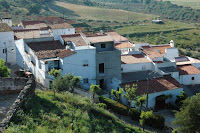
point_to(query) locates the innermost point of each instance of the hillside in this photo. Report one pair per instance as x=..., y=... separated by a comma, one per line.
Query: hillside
x=96, y=13
x=42, y=114
x=187, y=3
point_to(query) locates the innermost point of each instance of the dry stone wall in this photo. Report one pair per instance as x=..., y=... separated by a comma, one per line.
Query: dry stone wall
x=27, y=92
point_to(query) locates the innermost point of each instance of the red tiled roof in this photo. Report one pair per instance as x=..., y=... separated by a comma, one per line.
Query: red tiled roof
x=34, y=24
x=61, y=26
x=65, y=53
x=116, y=36
x=123, y=45
x=151, y=52
x=75, y=38
x=135, y=58
x=162, y=48
x=4, y=27
x=158, y=61
x=99, y=39
x=155, y=85
x=49, y=49
x=188, y=70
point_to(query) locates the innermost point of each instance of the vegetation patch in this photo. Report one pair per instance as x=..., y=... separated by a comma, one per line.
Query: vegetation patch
x=44, y=113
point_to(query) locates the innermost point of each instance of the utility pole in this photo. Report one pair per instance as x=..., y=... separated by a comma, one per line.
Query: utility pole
x=147, y=92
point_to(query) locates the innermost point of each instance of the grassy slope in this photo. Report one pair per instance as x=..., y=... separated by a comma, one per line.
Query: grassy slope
x=150, y=27
x=42, y=114
x=187, y=3
x=95, y=13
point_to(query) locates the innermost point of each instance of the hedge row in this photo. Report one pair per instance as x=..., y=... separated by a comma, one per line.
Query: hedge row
x=156, y=121
x=114, y=106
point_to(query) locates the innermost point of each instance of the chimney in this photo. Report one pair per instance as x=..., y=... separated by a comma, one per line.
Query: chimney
x=171, y=43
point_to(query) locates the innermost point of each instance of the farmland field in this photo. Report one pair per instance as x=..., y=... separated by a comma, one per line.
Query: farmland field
x=95, y=13
x=187, y=3
x=153, y=28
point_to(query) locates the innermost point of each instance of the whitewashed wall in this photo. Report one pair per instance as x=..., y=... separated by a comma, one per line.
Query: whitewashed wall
x=74, y=64
x=24, y=61
x=187, y=79
x=171, y=53
x=7, y=41
x=58, y=32
x=137, y=67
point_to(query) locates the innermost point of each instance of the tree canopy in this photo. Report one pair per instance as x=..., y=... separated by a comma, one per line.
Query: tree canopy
x=188, y=118
x=4, y=70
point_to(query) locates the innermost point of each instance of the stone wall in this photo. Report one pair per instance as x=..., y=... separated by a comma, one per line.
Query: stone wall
x=12, y=85
x=27, y=92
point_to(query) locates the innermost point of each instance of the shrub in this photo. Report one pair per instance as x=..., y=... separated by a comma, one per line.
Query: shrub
x=101, y=105
x=155, y=121
x=114, y=106
x=134, y=114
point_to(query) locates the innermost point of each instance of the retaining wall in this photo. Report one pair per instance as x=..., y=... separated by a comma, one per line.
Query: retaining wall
x=27, y=92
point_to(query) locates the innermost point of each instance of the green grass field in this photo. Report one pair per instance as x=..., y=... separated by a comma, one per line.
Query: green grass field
x=187, y=3
x=44, y=114
x=153, y=28
x=95, y=13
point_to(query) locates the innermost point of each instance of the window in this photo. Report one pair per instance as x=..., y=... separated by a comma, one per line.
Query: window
x=92, y=44
x=103, y=45
x=85, y=63
x=85, y=81
x=143, y=67
x=101, y=82
x=192, y=78
x=101, y=68
x=4, y=50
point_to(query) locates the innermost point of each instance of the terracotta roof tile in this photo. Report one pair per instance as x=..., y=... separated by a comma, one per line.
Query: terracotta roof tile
x=61, y=26
x=77, y=39
x=188, y=70
x=123, y=45
x=155, y=85
x=135, y=58
x=162, y=48
x=4, y=27
x=151, y=52
x=49, y=49
x=116, y=36
x=99, y=39
x=34, y=24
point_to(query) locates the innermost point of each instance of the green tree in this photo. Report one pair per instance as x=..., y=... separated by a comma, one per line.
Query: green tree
x=130, y=93
x=4, y=70
x=144, y=116
x=141, y=100
x=56, y=73
x=74, y=83
x=94, y=89
x=117, y=94
x=188, y=118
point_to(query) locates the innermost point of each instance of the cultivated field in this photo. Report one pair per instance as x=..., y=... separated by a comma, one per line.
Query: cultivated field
x=187, y=3
x=95, y=13
x=147, y=28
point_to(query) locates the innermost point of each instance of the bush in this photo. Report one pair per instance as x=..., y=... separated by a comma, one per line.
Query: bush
x=114, y=106
x=134, y=114
x=101, y=105
x=156, y=121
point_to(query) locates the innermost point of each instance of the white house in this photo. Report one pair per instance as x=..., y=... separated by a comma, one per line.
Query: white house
x=167, y=50
x=135, y=62
x=157, y=88
x=7, y=20
x=61, y=29
x=7, y=45
x=189, y=74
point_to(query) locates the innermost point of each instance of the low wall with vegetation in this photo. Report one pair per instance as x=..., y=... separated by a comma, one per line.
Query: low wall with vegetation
x=27, y=92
